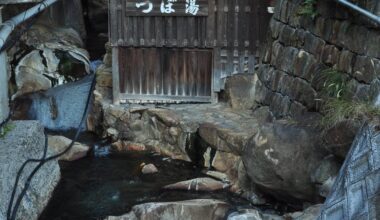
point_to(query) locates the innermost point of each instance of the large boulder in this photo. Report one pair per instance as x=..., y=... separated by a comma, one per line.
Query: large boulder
x=225, y=138
x=56, y=57
x=45, y=33
x=338, y=138
x=25, y=140
x=281, y=157
x=30, y=74
x=190, y=210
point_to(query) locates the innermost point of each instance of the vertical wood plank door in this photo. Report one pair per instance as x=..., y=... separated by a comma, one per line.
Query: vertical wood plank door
x=165, y=75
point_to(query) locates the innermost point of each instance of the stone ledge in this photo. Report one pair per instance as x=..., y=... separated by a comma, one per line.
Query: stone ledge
x=26, y=140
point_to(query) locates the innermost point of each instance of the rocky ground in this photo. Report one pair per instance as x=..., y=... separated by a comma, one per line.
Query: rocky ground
x=250, y=152
x=252, y=148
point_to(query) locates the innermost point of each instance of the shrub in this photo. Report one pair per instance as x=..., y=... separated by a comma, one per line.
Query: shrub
x=308, y=8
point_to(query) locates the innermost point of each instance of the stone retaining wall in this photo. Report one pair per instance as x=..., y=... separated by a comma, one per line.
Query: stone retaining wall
x=299, y=47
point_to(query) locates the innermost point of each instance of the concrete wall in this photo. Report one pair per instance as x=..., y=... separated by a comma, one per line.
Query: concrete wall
x=300, y=47
x=4, y=104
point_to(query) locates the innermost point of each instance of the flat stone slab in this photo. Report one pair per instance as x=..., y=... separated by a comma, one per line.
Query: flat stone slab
x=26, y=140
x=356, y=191
x=219, y=125
x=191, y=210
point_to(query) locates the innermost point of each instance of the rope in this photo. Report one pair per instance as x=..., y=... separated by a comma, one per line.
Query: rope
x=12, y=210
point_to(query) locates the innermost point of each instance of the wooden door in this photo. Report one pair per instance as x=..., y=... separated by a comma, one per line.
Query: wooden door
x=165, y=74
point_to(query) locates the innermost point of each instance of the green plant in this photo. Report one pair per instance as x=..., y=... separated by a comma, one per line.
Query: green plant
x=339, y=110
x=6, y=129
x=334, y=83
x=338, y=105
x=308, y=8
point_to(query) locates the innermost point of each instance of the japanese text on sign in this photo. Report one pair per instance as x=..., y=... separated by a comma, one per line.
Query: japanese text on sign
x=167, y=7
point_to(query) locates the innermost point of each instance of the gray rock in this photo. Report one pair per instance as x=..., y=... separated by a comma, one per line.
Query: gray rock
x=310, y=213
x=168, y=117
x=338, y=139
x=224, y=138
x=26, y=140
x=217, y=175
x=199, y=184
x=364, y=69
x=189, y=210
x=281, y=157
x=59, y=143
x=57, y=58
x=263, y=115
x=29, y=75
x=149, y=169
x=40, y=33
x=252, y=214
x=325, y=174
x=240, y=90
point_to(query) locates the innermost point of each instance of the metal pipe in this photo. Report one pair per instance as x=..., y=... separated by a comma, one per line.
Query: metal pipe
x=7, y=27
x=4, y=106
x=360, y=10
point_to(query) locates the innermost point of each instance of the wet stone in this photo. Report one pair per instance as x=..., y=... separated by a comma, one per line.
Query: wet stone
x=199, y=184
x=148, y=169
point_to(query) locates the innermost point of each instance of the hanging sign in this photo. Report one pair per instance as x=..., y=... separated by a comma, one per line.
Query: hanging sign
x=167, y=7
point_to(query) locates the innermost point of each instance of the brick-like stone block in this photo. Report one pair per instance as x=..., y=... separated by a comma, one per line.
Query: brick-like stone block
x=285, y=59
x=330, y=55
x=365, y=69
x=288, y=36
x=314, y=44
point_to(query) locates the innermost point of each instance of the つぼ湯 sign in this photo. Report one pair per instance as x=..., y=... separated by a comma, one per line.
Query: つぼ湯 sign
x=167, y=7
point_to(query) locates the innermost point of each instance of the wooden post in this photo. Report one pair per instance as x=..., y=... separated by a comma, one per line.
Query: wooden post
x=4, y=101
x=115, y=76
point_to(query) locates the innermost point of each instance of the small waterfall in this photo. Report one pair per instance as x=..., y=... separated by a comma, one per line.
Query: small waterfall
x=60, y=108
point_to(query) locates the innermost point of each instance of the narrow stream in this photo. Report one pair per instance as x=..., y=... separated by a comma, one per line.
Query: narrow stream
x=95, y=187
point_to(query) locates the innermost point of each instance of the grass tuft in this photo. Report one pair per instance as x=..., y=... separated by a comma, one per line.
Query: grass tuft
x=338, y=110
x=335, y=83
x=5, y=130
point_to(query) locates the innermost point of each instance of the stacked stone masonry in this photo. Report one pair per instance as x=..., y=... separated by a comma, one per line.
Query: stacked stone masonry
x=300, y=47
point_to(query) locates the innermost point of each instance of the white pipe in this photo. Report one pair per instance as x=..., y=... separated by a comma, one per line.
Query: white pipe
x=7, y=27
x=360, y=10
x=4, y=106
